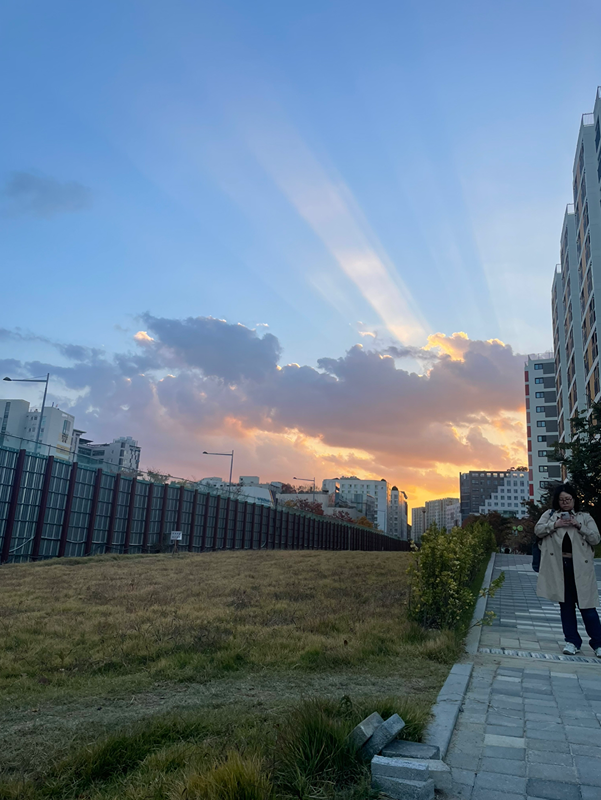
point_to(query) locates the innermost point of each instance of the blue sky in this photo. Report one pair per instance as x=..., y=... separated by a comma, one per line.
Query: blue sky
x=327, y=169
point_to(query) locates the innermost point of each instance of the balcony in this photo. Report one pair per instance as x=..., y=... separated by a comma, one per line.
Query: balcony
x=588, y=120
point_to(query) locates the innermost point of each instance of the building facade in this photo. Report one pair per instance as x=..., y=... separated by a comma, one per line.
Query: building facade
x=357, y=492
x=541, y=423
x=436, y=511
x=578, y=279
x=453, y=516
x=509, y=496
x=418, y=523
x=476, y=487
x=19, y=421
x=123, y=452
x=397, y=523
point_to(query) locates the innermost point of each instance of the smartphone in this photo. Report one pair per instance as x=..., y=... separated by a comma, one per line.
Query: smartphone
x=565, y=515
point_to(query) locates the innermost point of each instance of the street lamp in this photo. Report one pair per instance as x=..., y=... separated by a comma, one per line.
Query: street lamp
x=35, y=380
x=229, y=455
x=311, y=480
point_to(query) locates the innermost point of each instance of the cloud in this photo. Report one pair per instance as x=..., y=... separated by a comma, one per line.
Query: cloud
x=203, y=383
x=28, y=194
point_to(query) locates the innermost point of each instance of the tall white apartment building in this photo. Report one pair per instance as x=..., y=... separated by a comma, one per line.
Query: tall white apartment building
x=355, y=491
x=123, y=452
x=436, y=511
x=418, y=523
x=578, y=280
x=453, y=516
x=19, y=421
x=397, y=521
x=541, y=423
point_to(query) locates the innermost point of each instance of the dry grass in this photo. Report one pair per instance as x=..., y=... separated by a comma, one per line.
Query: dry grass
x=70, y=623
x=92, y=646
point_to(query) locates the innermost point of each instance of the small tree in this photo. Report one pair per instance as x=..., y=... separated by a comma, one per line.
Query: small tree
x=287, y=488
x=364, y=522
x=581, y=458
x=343, y=515
x=306, y=505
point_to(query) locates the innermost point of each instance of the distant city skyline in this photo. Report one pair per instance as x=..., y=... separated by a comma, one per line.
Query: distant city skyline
x=323, y=235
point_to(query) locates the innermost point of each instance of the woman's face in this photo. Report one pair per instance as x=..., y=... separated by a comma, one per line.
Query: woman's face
x=566, y=501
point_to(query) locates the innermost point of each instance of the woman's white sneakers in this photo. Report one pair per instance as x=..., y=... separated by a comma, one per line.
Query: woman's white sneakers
x=571, y=650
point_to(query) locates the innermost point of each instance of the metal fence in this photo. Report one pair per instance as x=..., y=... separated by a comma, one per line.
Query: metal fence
x=52, y=508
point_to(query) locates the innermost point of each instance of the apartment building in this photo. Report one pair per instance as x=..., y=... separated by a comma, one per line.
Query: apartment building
x=19, y=426
x=541, y=423
x=577, y=280
x=418, y=523
x=476, y=487
x=509, y=495
x=436, y=511
x=358, y=492
x=397, y=522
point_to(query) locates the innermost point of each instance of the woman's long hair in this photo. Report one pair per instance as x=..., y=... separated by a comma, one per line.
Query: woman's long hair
x=568, y=489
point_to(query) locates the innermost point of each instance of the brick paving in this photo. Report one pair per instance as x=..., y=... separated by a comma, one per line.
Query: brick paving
x=530, y=725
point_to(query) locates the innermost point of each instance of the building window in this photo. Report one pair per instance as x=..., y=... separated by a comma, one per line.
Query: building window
x=542, y=453
x=540, y=409
x=541, y=424
x=539, y=380
x=543, y=468
x=540, y=395
x=541, y=438
x=538, y=366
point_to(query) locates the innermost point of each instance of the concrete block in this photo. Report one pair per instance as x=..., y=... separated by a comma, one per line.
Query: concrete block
x=408, y=769
x=400, y=749
x=405, y=790
x=365, y=730
x=552, y=790
x=383, y=735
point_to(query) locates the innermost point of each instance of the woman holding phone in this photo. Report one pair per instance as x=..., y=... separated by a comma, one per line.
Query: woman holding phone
x=567, y=568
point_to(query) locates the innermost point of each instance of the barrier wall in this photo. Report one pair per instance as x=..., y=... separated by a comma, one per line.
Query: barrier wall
x=52, y=508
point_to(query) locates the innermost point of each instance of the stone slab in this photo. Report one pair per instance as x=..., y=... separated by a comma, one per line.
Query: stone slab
x=383, y=735
x=400, y=749
x=446, y=709
x=405, y=790
x=364, y=730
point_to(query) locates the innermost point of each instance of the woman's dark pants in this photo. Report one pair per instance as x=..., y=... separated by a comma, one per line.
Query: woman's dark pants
x=568, y=612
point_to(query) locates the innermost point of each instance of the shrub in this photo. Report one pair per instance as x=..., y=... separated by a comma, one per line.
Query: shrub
x=443, y=571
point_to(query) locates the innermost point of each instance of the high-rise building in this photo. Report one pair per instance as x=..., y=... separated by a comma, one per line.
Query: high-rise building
x=436, y=511
x=355, y=491
x=453, y=516
x=20, y=422
x=541, y=422
x=578, y=279
x=397, y=522
x=508, y=496
x=477, y=487
x=418, y=523
x=123, y=452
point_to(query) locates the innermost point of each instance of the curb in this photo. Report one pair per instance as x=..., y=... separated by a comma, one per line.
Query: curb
x=472, y=641
x=445, y=711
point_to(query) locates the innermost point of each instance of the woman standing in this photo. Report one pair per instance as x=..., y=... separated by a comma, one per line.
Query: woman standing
x=567, y=568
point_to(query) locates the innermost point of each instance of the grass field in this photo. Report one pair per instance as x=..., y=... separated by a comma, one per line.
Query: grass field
x=211, y=652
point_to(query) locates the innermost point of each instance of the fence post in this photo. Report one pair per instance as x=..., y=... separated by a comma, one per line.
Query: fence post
x=12, y=508
x=180, y=507
x=235, y=532
x=216, y=531
x=193, y=521
x=205, y=523
x=226, y=523
x=67, y=514
x=130, y=513
x=162, y=533
x=39, y=526
x=111, y=529
x=147, y=517
x=93, y=511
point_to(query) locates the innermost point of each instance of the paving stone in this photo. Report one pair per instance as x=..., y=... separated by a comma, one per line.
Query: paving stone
x=511, y=753
x=491, y=794
x=409, y=769
x=359, y=735
x=464, y=776
x=405, y=790
x=586, y=750
x=589, y=770
x=589, y=792
x=503, y=741
x=552, y=790
x=383, y=735
x=550, y=757
x=549, y=745
x=465, y=761
x=553, y=772
x=543, y=718
x=495, y=718
x=505, y=730
x=537, y=731
x=500, y=782
x=583, y=736
x=507, y=766
x=400, y=749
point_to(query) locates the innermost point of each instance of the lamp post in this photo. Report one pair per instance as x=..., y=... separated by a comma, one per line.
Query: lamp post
x=311, y=480
x=35, y=380
x=229, y=455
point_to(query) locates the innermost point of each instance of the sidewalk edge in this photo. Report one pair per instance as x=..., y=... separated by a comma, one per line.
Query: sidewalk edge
x=446, y=709
x=472, y=641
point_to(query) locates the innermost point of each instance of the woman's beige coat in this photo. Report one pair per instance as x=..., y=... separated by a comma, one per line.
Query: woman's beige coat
x=550, y=577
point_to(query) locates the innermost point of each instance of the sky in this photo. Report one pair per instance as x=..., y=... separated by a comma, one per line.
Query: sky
x=319, y=233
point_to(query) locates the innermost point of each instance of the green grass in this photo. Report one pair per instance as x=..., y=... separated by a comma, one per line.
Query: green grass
x=302, y=752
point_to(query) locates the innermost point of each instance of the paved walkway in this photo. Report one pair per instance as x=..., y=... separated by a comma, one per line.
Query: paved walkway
x=530, y=726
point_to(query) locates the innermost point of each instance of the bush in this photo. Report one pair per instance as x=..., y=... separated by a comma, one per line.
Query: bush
x=442, y=573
